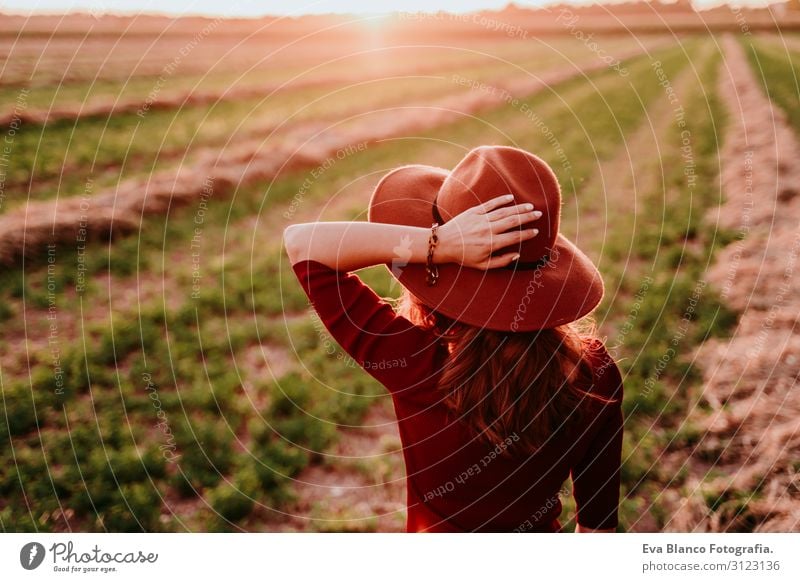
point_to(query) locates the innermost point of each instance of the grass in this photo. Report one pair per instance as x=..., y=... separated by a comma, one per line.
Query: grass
x=126, y=143
x=779, y=74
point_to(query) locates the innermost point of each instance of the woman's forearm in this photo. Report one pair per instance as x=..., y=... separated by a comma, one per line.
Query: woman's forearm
x=470, y=239
x=348, y=246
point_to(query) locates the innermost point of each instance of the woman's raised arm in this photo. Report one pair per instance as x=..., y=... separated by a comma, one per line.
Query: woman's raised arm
x=470, y=239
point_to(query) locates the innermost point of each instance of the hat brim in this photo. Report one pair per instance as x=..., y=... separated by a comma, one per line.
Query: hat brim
x=565, y=289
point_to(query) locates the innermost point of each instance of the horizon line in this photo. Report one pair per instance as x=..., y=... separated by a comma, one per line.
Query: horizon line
x=87, y=11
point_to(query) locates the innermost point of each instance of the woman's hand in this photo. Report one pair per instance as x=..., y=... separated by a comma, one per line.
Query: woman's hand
x=471, y=237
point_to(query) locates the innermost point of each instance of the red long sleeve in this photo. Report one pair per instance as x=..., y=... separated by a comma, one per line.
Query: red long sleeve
x=455, y=482
x=398, y=354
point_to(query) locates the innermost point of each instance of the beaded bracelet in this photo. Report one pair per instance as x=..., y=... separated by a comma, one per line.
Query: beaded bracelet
x=431, y=270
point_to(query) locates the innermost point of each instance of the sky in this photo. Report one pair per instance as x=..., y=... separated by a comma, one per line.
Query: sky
x=295, y=7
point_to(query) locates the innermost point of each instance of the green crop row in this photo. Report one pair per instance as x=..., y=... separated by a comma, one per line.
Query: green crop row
x=778, y=72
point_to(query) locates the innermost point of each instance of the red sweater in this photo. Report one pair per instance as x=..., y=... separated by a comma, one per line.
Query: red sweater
x=454, y=482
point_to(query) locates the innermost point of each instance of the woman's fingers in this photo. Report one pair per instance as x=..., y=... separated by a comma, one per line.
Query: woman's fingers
x=501, y=260
x=500, y=241
x=507, y=211
x=490, y=205
x=515, y=220
x=504, y=240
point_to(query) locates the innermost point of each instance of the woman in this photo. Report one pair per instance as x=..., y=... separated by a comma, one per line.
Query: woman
x=500, y=394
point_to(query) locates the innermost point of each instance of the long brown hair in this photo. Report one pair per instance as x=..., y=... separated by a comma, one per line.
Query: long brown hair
x=511, y=387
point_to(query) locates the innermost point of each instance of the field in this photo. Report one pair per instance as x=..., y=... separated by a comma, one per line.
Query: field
x=160, y=367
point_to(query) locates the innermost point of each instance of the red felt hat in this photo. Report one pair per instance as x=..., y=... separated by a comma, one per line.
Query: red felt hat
x=552, y=283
